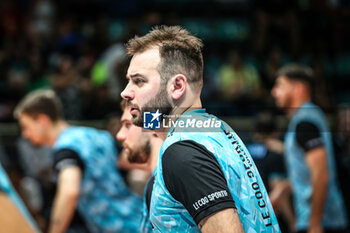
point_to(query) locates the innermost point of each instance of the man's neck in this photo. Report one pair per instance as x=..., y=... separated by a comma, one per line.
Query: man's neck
x=57, y=128
x=185, y=107
x=177, y=111
x=156, y=145
x=297, y=103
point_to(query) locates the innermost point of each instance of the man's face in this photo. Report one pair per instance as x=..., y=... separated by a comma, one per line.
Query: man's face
x=144, y=89
x=136, y=143
x=32, y=129
x=283, y=92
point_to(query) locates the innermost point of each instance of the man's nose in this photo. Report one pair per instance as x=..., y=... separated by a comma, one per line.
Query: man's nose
x=121, y=135
x=128, y=93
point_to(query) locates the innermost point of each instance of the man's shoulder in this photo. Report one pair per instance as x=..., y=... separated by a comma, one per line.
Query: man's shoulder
x=79, y=131
x=81, y=134
x=183, y=157
x=180, y=150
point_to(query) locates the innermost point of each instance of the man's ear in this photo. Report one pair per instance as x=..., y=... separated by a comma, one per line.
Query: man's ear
x=44, y=120
x=178, y=86
x=299, y=88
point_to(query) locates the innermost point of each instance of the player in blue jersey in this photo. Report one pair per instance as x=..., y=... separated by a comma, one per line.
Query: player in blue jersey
x=205, y=179
x=318, y=202
x=85, y=161
x=140, y=147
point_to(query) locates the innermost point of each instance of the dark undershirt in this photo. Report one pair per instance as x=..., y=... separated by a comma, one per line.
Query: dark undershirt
x=194, y=177
x=149, y=189
x=308, y=136
x=66, y=157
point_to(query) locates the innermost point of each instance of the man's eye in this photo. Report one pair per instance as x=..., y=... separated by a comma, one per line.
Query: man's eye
x=138, y=81
x=127, y=125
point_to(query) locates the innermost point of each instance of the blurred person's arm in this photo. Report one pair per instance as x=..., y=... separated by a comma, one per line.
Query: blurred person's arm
x=224, y=221
x=309, y=139
x=316, y=160
x=66, y=199
x=279, y=191
x=275, y=145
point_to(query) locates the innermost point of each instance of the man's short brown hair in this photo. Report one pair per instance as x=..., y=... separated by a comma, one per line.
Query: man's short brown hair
x=297, y=72
x=40, y=102
x=180, y=52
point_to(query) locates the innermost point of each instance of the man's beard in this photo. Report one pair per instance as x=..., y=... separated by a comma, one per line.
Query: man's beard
x=141, y=154
x=159, y=102
x=286, y=105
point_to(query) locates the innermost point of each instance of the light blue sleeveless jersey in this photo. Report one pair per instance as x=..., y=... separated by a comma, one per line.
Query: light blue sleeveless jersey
x=244, y=182
x=105, y=202
x=5, y=186
x=334, y=215
x=146, y=226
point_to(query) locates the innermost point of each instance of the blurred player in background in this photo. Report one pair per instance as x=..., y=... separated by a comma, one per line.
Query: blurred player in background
x=141, y=147
x=85, y=161
x=267, y=151
x=318, y=203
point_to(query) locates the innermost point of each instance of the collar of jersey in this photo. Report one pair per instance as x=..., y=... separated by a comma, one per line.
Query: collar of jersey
x=190, y=112
x=305, y=105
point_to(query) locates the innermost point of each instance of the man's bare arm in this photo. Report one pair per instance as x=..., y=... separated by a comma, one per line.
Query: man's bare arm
x=224, y=221
x=316, y=160
x=66, y=199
